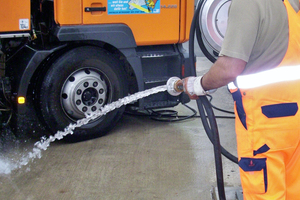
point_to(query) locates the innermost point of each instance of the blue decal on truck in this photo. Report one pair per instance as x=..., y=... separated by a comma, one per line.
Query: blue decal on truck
x=119, y=7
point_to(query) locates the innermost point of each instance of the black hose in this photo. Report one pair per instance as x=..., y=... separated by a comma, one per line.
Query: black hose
x=204, y=106
x=171, y=115
x=192, y=60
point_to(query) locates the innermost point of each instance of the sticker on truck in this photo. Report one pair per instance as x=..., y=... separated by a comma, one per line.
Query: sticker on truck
x=117, y=7
x=23, y=24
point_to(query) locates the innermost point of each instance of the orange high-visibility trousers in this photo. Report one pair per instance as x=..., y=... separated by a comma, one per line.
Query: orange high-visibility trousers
x=268, y=146
x=268, y=129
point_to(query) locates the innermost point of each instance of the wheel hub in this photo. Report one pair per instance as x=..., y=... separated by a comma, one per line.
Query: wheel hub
x=83, y=92
x=89, y=96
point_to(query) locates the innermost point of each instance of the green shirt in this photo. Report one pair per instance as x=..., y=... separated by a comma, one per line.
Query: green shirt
x=257, y=32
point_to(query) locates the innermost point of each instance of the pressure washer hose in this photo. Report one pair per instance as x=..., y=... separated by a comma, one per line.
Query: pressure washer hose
x=205, y=108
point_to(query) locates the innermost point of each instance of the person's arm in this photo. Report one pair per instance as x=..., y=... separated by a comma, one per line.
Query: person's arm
x=223, y=71
x=237, y=46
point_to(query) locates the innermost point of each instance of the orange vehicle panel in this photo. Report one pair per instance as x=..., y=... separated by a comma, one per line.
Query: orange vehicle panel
x=68, y=12
x=146, y=27
x=159, y=22
x=187, y=14
x=14, y=15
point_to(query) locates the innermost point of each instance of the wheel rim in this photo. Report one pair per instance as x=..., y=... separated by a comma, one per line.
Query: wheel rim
x=85, y=91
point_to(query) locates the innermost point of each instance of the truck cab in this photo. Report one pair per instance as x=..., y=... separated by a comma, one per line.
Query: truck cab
x=65, y=58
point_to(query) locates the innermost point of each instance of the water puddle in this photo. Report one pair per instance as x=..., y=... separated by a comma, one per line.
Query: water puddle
x=8, y=165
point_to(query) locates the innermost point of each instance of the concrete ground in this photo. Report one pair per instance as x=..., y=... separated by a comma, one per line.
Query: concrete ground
x=140, y=159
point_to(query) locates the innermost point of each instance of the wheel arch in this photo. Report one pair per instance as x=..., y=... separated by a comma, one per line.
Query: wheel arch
x=35, y=72
x=130, y=64
x=116, y=38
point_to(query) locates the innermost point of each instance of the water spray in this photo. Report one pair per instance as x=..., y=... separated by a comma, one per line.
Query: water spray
x=7, y=166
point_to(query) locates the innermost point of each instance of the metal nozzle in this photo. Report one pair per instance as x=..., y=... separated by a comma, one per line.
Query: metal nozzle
x=174, y=86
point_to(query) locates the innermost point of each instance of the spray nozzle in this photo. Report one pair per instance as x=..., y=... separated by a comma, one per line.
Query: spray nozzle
x=174, y=86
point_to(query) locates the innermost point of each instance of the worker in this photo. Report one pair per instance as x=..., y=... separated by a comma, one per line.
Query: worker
x=260, y=58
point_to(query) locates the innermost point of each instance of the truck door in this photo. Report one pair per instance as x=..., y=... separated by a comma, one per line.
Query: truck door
x=151, y=21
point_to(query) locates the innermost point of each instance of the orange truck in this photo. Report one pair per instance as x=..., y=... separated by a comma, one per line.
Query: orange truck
x=63, y=58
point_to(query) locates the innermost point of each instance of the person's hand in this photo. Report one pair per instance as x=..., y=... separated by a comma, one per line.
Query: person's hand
x=188, y=87
x=193, y=88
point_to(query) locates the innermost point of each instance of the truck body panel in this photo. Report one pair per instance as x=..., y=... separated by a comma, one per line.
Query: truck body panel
x=15, y=15
x=68, y=12
x=165, y=24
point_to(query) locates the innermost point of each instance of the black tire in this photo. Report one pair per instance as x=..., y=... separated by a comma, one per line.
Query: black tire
x=82, y=79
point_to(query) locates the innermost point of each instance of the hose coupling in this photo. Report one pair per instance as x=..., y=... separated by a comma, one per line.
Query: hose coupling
x=174, y=86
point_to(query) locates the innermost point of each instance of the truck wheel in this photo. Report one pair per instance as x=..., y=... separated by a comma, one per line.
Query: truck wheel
x=81, y=81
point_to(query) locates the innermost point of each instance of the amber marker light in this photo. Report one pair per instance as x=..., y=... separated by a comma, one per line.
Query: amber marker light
x=21, y=100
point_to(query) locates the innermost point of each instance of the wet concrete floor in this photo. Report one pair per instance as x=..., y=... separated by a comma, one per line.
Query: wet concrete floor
x=139, y=159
